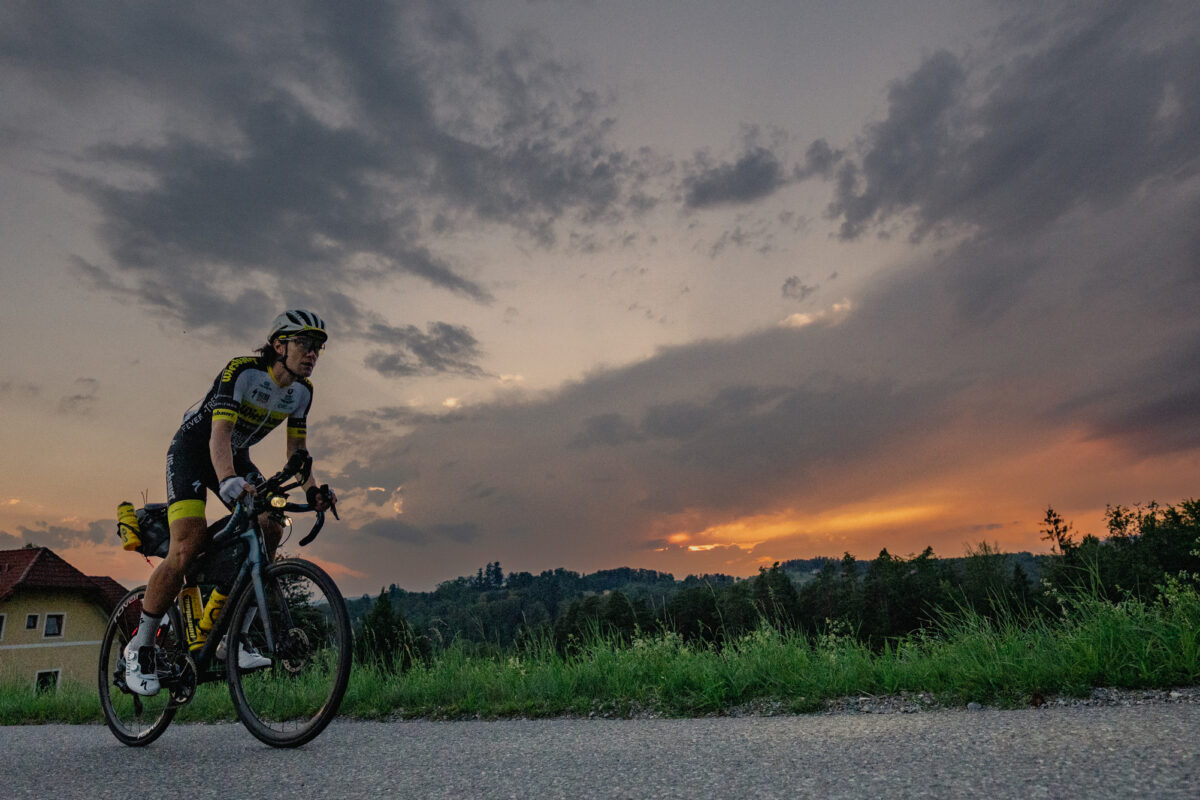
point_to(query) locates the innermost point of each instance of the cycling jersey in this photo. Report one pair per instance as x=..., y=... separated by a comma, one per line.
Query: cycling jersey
x=246, y=394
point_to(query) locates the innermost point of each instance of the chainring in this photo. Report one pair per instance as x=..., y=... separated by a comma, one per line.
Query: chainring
x=182, y=679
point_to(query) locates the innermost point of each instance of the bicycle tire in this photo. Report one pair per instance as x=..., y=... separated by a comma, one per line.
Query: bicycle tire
x=291, y=701
x=135, y=720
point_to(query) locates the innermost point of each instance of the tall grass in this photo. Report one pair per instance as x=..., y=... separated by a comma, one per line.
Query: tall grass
x=1006, y=661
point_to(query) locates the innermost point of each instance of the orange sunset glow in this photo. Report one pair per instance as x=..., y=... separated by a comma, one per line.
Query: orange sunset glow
x=690, y=287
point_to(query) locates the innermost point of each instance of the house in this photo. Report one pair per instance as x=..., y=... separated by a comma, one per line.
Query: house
x=52, y=618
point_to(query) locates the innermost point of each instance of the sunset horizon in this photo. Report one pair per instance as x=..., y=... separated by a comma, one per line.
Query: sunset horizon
x=686, y=287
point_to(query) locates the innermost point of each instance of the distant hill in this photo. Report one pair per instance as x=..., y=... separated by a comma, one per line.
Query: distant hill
x=801, y=570
x=493, y=607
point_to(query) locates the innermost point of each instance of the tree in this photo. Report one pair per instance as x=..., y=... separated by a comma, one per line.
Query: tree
x=776, y=597
x=1058, y=532
x=385, y=638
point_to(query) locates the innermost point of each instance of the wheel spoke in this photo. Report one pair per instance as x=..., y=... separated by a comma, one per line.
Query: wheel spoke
x=133, y=719
x=292, y=699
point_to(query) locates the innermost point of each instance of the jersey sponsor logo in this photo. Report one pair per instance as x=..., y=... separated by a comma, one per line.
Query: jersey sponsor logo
x=234, y=366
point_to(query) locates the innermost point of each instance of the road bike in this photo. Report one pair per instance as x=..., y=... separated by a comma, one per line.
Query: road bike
x=289, y=610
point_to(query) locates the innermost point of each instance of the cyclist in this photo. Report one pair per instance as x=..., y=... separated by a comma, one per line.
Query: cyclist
x=250, y=397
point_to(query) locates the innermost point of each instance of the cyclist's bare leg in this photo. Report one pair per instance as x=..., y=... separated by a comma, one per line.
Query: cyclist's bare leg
x=187, y=537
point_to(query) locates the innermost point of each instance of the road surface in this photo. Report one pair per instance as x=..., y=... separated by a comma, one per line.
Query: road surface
x=1150, y=751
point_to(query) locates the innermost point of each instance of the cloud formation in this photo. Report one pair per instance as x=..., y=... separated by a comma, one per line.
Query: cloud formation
x=43, y=534
x=753, y=176
x=1058, y=323
x=82, y=399
x=1108, y=101
x=441, y=349
x=1044, y=320
x=311, y=145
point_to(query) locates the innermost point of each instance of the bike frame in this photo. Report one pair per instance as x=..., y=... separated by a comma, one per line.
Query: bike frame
x=249, y=574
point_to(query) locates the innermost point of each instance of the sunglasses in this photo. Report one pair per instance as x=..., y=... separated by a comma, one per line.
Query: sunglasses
x=309, y=343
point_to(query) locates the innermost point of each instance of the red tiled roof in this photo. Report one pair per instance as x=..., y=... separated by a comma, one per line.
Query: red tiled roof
x=40, y=568
x=14, y=565
x=112, y=591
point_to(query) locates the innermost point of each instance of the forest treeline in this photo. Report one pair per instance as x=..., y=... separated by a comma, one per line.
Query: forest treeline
x=877, y=601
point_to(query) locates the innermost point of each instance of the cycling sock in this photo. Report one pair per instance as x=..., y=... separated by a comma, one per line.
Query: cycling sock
x=146, y=629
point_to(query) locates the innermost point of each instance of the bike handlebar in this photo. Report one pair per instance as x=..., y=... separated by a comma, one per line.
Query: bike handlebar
x=299, y=466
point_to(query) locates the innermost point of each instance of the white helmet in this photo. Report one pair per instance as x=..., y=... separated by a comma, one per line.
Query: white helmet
x=296, y=321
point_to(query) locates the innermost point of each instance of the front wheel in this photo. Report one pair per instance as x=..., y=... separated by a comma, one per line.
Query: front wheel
x=291, y=699
x=133, y=719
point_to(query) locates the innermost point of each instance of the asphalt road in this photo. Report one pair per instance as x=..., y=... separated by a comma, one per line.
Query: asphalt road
x=1148, y=751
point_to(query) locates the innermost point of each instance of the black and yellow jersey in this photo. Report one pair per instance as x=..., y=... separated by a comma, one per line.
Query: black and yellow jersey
x=246, y=394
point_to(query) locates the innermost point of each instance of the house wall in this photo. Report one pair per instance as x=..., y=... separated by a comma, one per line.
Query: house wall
x=25, y=653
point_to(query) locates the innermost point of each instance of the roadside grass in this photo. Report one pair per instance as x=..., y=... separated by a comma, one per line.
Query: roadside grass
x=1129, y=644
x=970, y=657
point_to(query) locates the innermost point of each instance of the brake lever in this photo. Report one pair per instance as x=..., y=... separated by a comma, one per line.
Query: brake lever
x=316, y=528
x=324, y=491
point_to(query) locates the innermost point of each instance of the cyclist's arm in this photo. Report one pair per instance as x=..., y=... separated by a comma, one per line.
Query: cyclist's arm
x=220, y=448
x=297, y=441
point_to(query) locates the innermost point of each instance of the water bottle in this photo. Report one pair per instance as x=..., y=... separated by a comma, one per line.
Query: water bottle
x=127, y=526
x=189, y=604
x=212, y=610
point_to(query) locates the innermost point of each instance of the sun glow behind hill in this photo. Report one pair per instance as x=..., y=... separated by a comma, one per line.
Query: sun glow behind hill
x=752, y=531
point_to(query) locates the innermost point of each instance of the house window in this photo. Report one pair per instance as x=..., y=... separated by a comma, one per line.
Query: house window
x=31, y=622
x=47, y=681
x=54, y=625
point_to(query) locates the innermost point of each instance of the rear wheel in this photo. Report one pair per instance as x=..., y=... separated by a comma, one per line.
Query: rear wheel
x=133, y=719
x=291, y=700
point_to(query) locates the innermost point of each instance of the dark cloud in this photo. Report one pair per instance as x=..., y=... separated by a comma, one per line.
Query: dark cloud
x=755, y=175
x=441, y=349
x=82, y=399
x=1148, y=421
x=326, y=151
x=394, y=530
x=757, y=236
x=819, y=161
x=607, y=430
x=43, y=534
x=680, y=420
x=796, y=289
x=461, y=532
x=906, y=151
x=1105, y=101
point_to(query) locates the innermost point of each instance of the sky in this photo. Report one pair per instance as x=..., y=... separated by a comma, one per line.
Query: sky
x=690, y=286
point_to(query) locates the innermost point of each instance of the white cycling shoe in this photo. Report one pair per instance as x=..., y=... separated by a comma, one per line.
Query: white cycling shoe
x=248, y=657
x=140, y=674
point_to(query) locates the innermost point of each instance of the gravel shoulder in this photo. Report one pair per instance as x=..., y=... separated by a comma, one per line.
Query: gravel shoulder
x=911, y=703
